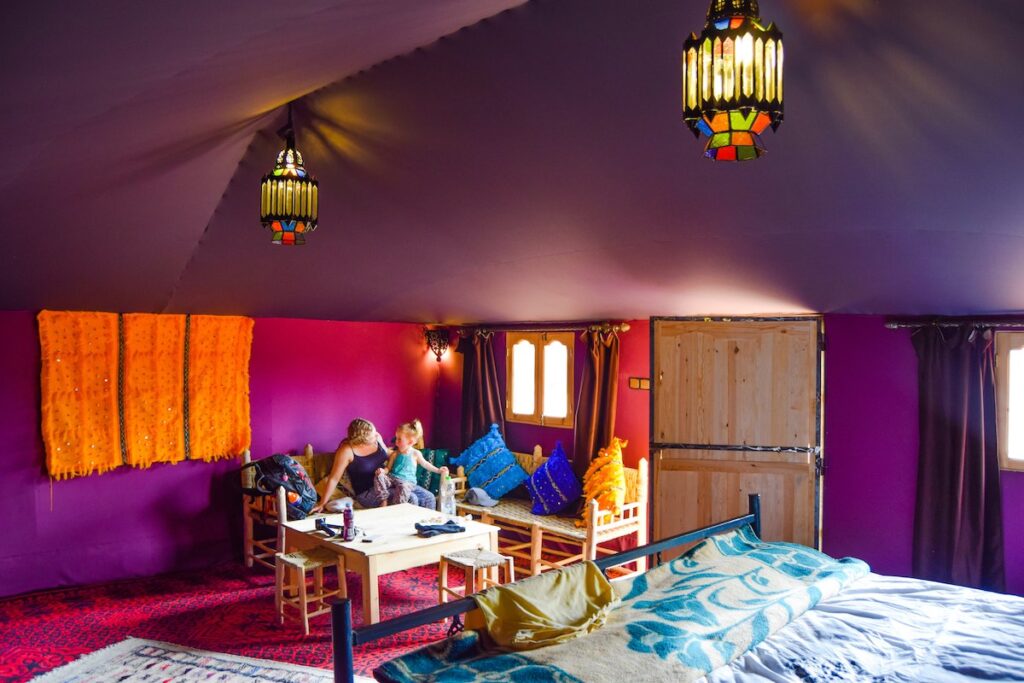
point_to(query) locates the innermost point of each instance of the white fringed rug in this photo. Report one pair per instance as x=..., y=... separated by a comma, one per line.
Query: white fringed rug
x=149, y=661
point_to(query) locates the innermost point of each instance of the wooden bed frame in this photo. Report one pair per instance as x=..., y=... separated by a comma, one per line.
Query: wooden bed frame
x=344, y=637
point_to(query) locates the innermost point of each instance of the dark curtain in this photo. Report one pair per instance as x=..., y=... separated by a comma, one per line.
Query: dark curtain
x=595, y=414
x=481, y=395
x=958, y=532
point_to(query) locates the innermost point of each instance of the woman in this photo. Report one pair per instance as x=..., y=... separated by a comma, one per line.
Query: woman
x=361, y=454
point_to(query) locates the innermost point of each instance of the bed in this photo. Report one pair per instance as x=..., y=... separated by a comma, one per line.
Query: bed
x=834, y=621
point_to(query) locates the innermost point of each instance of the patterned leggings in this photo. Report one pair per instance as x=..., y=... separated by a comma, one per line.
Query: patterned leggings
x=392, y=490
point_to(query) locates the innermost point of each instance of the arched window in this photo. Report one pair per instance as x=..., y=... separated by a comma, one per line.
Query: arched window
x=540, y=378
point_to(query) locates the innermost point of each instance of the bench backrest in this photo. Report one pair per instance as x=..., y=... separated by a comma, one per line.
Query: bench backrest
x=317, y=465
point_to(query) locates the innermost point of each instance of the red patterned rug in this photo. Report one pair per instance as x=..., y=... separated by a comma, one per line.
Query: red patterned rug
x=224, y=609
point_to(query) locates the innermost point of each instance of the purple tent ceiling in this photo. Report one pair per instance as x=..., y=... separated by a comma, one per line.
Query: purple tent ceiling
x=529, y=166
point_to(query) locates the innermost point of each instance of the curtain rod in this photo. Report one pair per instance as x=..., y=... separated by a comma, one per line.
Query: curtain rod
x=897, y=324
x=600, y=327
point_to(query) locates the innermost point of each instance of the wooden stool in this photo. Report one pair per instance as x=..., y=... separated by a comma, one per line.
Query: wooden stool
x=477, y=566
x=290, y=583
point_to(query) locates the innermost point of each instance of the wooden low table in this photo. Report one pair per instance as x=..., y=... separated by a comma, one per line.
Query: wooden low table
x=395, y=546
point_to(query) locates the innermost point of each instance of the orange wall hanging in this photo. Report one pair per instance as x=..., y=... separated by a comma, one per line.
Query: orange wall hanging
x=137, y=389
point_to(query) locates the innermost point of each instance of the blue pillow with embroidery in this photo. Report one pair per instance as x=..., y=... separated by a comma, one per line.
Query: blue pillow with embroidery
x=554, y=486
x=490, y=465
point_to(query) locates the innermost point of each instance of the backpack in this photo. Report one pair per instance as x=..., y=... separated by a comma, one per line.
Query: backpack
x=282, y=470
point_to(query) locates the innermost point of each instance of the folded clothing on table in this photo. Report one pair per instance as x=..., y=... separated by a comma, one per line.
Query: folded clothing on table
x=428, y=530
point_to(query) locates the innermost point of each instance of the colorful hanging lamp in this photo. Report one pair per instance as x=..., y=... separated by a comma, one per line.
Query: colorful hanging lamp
x=732, y=80
x=289, y=201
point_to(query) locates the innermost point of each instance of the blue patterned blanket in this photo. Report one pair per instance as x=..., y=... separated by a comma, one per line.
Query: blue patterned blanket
x=676, y=622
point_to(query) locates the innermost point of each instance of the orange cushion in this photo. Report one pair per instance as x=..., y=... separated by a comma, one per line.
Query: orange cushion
x=605, y=480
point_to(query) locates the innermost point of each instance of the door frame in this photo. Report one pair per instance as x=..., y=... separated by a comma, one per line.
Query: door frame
x=819, y=416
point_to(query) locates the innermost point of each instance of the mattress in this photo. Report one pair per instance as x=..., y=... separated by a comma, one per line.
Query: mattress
x=885, y=628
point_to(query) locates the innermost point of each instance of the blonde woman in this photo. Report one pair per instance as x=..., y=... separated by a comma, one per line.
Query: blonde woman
x=362, y=454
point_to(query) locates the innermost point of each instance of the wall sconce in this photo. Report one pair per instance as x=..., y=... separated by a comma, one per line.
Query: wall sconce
x=437, y=342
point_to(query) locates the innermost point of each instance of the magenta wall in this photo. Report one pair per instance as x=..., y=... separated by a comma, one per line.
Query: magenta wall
x=871, y=450
x=870, y=442
x=308, y=378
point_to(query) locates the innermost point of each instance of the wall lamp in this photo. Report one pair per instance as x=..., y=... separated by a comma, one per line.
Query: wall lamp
x=437, y=341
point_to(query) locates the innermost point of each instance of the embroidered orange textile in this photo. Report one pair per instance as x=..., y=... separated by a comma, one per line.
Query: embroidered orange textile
x=142, y=388
x=79, y=392
x=154, y=394
x=218, y=396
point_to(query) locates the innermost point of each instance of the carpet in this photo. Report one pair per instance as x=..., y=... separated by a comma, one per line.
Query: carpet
x=226, y=608
x=135, y=660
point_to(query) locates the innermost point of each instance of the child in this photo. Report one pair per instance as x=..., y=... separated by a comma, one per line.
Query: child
x=402, y=466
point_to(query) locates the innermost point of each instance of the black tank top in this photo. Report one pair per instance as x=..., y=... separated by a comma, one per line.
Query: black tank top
x=362, y=467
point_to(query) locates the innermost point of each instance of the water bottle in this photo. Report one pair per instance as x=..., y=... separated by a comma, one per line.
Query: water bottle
x=446, y=501
x=348, y=524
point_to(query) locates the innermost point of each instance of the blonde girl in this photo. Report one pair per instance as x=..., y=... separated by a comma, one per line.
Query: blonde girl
x=404, y=459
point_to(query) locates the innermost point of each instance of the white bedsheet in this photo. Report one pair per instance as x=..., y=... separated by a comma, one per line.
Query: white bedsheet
x=885, y=628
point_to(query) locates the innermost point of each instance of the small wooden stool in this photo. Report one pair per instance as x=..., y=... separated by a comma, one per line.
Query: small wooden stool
x=290, y=583
x=477, y=566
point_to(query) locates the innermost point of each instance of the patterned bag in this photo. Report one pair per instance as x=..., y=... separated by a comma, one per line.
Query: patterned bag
x=282, y=470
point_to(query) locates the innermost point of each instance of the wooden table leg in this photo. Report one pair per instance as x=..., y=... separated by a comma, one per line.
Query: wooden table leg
x=371, y=596
x=442, y=581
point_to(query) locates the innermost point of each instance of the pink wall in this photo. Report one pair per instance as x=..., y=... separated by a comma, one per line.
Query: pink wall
x=632, y=420
x=308, y=378
x=871, y=445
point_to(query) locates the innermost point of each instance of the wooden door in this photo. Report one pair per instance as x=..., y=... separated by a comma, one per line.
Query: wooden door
x=736, y=409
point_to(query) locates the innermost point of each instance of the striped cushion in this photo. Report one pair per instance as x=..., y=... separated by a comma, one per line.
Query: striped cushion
x=490, y=465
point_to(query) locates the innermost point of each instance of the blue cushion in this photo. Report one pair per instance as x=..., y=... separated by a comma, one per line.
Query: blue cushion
x=490, y=465
x=554, y=486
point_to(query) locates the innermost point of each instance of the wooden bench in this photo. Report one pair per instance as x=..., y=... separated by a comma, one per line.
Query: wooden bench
x=542, y=540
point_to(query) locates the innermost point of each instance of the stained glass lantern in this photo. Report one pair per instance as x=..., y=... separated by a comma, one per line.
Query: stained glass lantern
x=288, y=195
x=732, y=80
